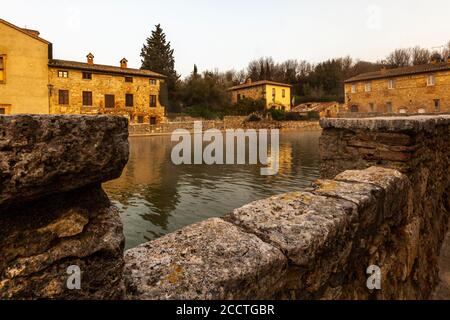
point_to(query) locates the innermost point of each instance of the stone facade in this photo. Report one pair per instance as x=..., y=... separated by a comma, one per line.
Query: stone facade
x=275, y=95
x=102, y=83
x=407, y=90
x=54, y=214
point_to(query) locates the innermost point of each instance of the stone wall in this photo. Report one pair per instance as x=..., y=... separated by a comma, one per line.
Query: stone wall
x=53, y=211
x=391, y=212
x=411, y=93
x=383, y=201
x=227, y=123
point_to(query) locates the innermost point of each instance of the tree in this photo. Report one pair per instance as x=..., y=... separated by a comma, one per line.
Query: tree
x=446, y=53
x=157, y=55
x=399, y=58
x=420, y=56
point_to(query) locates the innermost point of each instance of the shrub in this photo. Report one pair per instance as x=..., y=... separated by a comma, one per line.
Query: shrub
x=245, y=106
x=277, y=114
x=253, y=118
x=313, y=115
x=201, y=111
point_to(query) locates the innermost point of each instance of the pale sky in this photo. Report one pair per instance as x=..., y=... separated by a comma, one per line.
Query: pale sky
x=228, y=34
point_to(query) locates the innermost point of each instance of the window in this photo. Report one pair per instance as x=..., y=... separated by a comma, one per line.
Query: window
x=391, y=84
x=153, y=120
x=140, y=119
x=109, y=101
x=368, y=87
x=153, y=82
x=129, y=100
x=353, y=88
x=238, y=97
x=87, y=76
x=389, y=107
x=402, y=110
x=129, y=79
x=152, y=101
x=274, y=94
x=437, y=105
x=371, y=107
x=2, y=111
x=63, y=74
x=63, y=97
x=2, y=69
x=431, y=80
x=87, y=98
x=283, y=93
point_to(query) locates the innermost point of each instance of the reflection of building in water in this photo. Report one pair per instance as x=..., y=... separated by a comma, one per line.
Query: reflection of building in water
x=286, y=158
x=150, y=175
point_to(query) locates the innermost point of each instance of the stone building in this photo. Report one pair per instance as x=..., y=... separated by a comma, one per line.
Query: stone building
x=416, y=89
x=275, y=94
x=88, y=88
x=31, y=81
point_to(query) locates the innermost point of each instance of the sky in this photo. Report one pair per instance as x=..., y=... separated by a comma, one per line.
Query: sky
x=228, y=34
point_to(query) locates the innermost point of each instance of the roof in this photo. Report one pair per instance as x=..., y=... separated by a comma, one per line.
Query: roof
x=258, y=83
x=28, y=32
x=102, y=68
x=314, y=106
x=388, y=73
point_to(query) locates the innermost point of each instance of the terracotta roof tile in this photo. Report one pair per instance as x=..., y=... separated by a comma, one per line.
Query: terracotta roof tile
x=388, y=73
x=102, y=68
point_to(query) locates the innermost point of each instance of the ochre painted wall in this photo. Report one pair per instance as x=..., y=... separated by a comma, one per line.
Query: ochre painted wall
x=100, y=85
x=279, y=99
x=410, y=93
x=265, y=92
x=25, y=87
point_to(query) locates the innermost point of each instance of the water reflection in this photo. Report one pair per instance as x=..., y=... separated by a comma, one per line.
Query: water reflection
x=156, y=197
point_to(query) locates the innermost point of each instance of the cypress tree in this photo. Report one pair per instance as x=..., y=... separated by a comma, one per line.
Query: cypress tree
x=157, y=55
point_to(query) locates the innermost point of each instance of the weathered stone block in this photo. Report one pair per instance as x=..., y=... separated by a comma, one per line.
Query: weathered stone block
x=300, y=224
x=388, y=124
x=209, y=260
x=38, y=243
x=43, y=155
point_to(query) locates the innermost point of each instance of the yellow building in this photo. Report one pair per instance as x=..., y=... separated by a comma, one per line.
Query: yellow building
x=31, y=81
x=275, y=94
x=416, y=89
x=23, y=70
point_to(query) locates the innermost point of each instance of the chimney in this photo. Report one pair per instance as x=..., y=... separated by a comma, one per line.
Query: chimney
x=249, y=81
x=32, y=32
x=123, y=63
x=90, y=59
